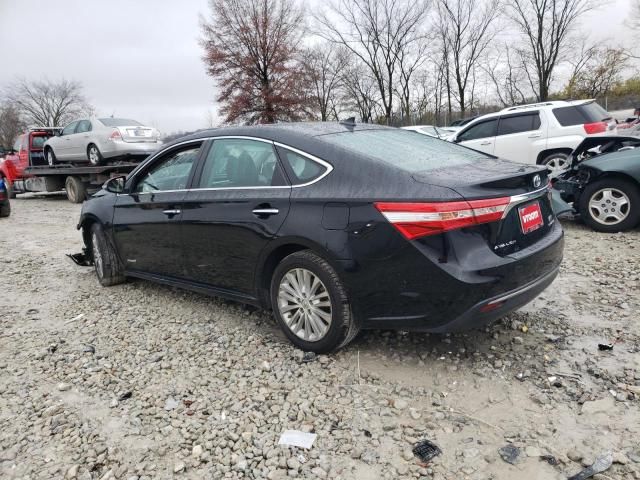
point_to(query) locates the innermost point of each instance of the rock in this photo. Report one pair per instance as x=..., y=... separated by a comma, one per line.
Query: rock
x=574, y=455
x=634, y=456
x=114, y=403
x=414, y=414
x=621, y=458
x=171, y=404
x=293, y=463
x=604, y=406
x=63, y=387
x=400, y=404
x=197, y=452
x=370, y=456
x=510, y=454
x=178, y=467
x=532, y=451
x=518, y=340
x=72, y=472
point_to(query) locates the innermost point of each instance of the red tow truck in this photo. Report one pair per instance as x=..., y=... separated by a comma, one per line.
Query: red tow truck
x=24, y=169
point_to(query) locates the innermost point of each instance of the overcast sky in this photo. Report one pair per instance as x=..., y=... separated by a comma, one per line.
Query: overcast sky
x=141, y=58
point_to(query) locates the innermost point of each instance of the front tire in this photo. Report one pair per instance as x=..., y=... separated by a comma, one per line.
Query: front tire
x=5, y=210
x=9, y=187
x=51, y=157
x=94, y=155
x=610, y=205
x=311, y=304
x=105, y=261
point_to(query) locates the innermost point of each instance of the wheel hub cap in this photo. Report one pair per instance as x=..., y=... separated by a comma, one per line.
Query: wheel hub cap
x=609, y=206
x=304, y=304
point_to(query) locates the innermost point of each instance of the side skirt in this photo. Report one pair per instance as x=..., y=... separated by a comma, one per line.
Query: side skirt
x=196, y=287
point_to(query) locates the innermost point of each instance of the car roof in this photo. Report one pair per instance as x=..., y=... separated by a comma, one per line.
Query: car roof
x=282, y=132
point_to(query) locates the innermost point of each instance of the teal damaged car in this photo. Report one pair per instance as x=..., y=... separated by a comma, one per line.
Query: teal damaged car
x=602, y=183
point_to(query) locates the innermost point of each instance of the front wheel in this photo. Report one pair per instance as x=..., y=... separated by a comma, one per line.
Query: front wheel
x=105, y=260
x=51, y=157
x=610, y=205
x=311, y=304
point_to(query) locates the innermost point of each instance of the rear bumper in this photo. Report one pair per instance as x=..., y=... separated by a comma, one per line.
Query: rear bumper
x=121, y=149
x=477, y=316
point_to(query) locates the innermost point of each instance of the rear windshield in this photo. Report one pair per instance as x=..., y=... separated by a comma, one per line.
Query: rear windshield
x=119, y=122
x=38, y=142
x=404, y=149
x=579, y=114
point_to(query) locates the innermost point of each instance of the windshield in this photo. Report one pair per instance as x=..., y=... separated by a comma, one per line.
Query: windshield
x=404, y=149
x=119, y=122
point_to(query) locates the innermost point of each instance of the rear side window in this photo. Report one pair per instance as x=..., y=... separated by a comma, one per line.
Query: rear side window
x=519, y=123
x=580, y=114
x=83, y=126
x=480, y=130
x=403, y=149
x=238, y=163
x=301, y=169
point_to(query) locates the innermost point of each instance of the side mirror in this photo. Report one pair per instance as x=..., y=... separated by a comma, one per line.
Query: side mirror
x=115, y=184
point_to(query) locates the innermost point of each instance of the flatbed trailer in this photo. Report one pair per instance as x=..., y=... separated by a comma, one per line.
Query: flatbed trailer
x=78, y=181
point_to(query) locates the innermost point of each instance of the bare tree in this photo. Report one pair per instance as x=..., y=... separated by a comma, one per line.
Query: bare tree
x=251, y=49
x=598, y=71
x=48, y=103
x=465, y=30
x=507, y=75
x=324, y=65
x=546, y=26
x=381, y=33
x=360, y=91
x=11, y=125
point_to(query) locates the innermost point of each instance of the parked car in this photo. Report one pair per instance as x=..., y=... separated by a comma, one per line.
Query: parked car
x=5, y=205
x=97, y=140
x=463, y=121
x=540, y=133
x=27, y=151
x=432, y=130
x=335, y=227
x=603, y=182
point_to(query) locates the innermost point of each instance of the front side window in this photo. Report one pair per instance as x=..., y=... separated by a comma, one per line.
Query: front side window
x=171, y=173
x=301, y=169
x=69, y=129
x=235, y=163
x=519, y=123
x=479, y=130
x=83, y=126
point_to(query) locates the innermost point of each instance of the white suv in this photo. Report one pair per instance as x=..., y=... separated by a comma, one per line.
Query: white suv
x=539, y=133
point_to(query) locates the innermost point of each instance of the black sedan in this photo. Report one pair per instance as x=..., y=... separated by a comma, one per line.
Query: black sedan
x=335, y=227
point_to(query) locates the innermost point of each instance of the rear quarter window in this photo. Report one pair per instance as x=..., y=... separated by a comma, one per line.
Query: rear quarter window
x=403, y=149
x=580, y=114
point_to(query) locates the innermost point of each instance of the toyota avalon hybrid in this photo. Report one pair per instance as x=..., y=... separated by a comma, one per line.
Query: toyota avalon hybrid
x=336, y=227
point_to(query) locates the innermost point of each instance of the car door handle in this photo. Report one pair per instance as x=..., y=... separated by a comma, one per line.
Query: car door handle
x=265, y=211
x=174, y=211
x=485, y=143
x=535, y=135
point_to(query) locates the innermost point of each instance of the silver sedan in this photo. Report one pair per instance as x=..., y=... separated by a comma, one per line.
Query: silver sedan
x=97, y=139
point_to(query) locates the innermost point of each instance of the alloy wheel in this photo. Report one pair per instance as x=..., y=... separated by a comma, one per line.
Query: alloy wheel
x=304, y=304
x=557, y=164
x=50, y=160
x=94, y=156
x=609, y=206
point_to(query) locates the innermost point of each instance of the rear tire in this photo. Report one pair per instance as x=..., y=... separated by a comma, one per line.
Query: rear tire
x=94, y=155
x=105, y=260
x=302, y=312
x=621, y=198
x=76, y=189
x=9, y=187
x=556, y=162
x=51, y=157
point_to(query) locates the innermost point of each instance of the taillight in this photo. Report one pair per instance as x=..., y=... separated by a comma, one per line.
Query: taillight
x=596, y=127
x=115, y=136
x=415, y=220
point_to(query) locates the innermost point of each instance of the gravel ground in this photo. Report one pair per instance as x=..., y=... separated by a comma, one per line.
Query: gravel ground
x=141, y=381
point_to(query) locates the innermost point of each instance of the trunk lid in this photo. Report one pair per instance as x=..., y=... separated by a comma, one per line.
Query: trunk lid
x=137, y=134
x=529, y=215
